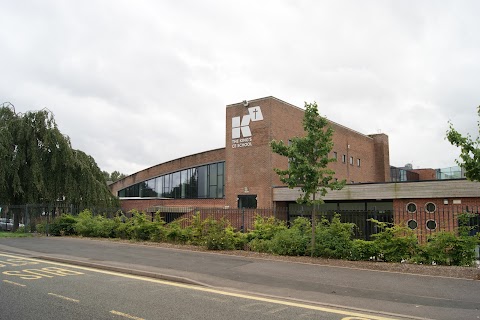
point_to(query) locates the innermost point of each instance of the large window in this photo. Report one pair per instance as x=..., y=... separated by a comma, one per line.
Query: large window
x=206, y=181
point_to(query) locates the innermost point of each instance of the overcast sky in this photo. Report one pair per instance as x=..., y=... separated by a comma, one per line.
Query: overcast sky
x=137, y=83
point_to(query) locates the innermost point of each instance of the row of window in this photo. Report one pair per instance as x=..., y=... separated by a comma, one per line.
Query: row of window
x=206, y=181
x=430, y=207
x=344, y=159
x=430, y=224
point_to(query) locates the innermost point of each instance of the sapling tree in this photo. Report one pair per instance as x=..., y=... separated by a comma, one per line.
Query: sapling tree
x=470, y=151
x=309, y=157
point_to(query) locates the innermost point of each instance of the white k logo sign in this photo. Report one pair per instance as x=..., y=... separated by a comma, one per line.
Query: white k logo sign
x=242, y=128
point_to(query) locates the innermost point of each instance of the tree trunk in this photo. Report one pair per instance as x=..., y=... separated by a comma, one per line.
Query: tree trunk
x=314, y=222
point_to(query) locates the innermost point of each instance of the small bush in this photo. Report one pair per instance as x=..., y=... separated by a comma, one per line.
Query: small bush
x=63, y=225
x=396, y=243
x=259, y=245
x=219, y=235
x=21, y=230
x=445, y=248
x=175, y=233
x=333, y=239
x=140, y=227
x=265, y=228
x=363, y=250
x=88, y=225
x=158, y=232
x=40, y=227
x=293, y=241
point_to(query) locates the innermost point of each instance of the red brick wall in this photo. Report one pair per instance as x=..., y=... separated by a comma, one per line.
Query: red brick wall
x=426, y=174
x=144, y=204
x=251, y=168
x=445, y=215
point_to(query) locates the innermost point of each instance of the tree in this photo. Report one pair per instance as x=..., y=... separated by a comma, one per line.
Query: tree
x=114, y=176
x=470, y=151
x=308, y=160
x=38, y=164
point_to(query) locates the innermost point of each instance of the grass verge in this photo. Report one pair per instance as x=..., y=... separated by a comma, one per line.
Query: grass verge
x=14, y=235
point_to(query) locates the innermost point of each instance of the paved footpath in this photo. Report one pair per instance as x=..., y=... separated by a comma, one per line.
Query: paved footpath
x=395, y=293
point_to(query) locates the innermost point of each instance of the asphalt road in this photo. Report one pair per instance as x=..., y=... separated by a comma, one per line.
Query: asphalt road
x=35, y=289
x=412, y=295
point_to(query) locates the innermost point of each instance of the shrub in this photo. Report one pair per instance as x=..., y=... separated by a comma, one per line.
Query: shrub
x=293, y=241
x=363, y=250
x=175, y=233
x=220, y=235
x=396, y=243
x=158, y=232
x=40, y=227
x=140, y=227
x=446, y=248
x=259, y=245
x=333, y=239
x=265, y=228
x=196, y=231
x=63, y=225
x=88, y=225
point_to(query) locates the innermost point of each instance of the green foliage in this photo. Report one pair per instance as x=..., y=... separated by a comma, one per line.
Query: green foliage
x=158, y=232
x=396, y=243
x=21, y=230
x=175, y=233
x=95, y=226
x=363, y=250
x=40, y=227
x=140, y=227
x=219, y=235
x=293, y=241
x=308, y=158
x=470, y=151
x=63, y=225
x=445, y=248
x=38, y=164
x=9, y=234
x=113, y=177
x=264, y=228
x=333, y=239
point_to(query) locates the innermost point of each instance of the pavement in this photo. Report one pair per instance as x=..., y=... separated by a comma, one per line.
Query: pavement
x=397, y=294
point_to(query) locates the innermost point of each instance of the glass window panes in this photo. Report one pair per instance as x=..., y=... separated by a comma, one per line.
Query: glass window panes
x=412, y=224
x=411, y=207
x=430, y=207
x=200, y=182
x=176, y=185
x=431, y=225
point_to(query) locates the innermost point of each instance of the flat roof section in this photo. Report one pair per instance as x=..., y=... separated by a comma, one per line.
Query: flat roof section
x=403, y=190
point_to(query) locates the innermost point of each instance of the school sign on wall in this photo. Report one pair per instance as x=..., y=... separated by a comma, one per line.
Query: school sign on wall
x=241, y=133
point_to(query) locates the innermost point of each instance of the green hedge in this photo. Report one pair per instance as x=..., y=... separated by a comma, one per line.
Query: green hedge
x=334, y=239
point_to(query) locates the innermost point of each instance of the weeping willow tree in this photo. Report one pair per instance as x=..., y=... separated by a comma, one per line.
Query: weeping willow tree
x=38, y=164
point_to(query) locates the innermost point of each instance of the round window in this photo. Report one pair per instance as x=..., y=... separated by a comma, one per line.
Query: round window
x=431, y=225
x=430, y=207
x=411, y=207
x=412, y=224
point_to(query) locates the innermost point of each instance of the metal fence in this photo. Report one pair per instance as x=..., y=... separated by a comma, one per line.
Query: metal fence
x=27, y=216
x=421, y=221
